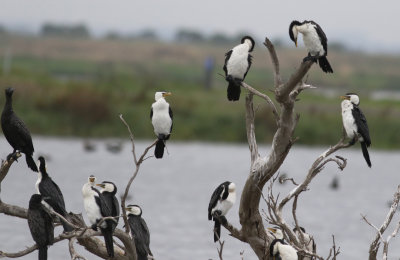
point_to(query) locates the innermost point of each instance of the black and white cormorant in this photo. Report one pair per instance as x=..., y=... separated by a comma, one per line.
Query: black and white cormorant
x=355, y=123
x=139, y=231
x=315, y=41
x=51, y=193
x=308, y=241
x=278, y=247
x=221, y=202
x=16, y=132
x=161, y=118
x=109, y=190
x=237, y=64
x=96, y=208
x=41, y=225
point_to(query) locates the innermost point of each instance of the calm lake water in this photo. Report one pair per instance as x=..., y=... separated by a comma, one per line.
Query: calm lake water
x=174, y=193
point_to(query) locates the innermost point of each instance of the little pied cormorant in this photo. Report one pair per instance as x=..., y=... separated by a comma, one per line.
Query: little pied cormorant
x=139, y=231
x=41, y=225
x=96, y=208
x=51, y=193
x=237, y=64
x=354, y=122
x=109, y=190
x=221, y=202
x=308, y=241
x=315, y=41
x=161, y=118
x=16, y=132
x=279, y=249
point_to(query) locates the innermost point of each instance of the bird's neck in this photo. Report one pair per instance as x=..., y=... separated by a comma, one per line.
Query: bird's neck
x=8, y=106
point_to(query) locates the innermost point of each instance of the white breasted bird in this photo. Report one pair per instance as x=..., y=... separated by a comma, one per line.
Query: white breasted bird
x=161, y=118
x=315, y=41
x=221, y=202
x=237, y=64
x=355, y=123
x=96, y=208
x=279, y=249
x=109, y=190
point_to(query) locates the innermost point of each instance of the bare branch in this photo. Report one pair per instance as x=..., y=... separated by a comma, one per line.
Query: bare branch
x=72, y=251
x=5, y=166
x=250, y=129
x=274, y=60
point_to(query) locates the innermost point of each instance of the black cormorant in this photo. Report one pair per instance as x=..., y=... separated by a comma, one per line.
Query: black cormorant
x=16, y=132
x=51, y=193
x=279, y=249
x=315, y=41
x=221, y=201
x=96, y=208
x=108, y=189
x=41, y=225
x=161, y=118
x=237, y=64
x=139, y=231
x=355, y=123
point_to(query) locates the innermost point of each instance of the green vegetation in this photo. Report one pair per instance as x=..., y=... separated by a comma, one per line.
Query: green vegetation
x=79, y=87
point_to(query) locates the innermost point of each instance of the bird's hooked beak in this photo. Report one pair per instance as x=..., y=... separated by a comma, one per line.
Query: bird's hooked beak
x=345, y=97
x=166, y=94
x=92, y=179
x=273, y=230
x=101, y=185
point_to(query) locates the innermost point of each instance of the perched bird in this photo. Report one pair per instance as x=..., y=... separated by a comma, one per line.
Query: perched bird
x=279, y=249
x=139, y=231
x=308, y=241
x=237, y=64
x=221, y=202
x=51, y=193
x=315, y=41
x=41, y=225
x=16, y=132
x=161, y=118
x=96, y=208
x=108, y=189
x=355, y=123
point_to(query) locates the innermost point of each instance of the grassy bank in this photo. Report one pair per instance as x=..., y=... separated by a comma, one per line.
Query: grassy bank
x=80, y=87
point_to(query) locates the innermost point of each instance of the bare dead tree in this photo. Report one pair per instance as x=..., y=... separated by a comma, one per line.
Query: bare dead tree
x=84, y=235
x=264, y=167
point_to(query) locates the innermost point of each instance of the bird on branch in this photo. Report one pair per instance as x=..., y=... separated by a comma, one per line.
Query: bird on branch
x=161, y=118
x=52, y=195
x=96, y=208
x=279, y=249
x=237, y=63
x=315, y=41
x=16, y=132
x=355, y=123
x=139, y=231
x=108, y=190
x=221, y=202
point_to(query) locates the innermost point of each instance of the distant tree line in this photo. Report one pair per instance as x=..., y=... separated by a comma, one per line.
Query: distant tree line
x=63, y=30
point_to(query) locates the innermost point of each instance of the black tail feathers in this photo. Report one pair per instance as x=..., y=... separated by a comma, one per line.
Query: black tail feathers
x=159, y=150
x=217, y=230
x=233, y=89
x=324, y=64
x=365, y=153
x=31, y=163
x=108, y=240
x=43, y=253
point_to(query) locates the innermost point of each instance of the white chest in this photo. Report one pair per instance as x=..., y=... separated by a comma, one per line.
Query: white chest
x=225, y=205
x=161, y=119
x=238, y=62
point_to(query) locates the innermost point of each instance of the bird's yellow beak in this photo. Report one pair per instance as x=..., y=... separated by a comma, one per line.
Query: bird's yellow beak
x=296, y=43
x=345, y=97
x=92, y=179
x=167, y=94
x=273, y=230
x=100, y=185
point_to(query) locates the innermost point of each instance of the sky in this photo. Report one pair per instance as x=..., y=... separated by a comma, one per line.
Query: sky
x=366, y=25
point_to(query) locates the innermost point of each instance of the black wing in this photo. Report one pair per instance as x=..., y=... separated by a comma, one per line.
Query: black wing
x=249, y=60
x=322, y=36
x=214, y=199
x=41, y=226
x=18, y=135
x=151, y=113
x=172, y=117
x=101, y=202
x=362, y=126
x=52, y=195
x=141, y=235
x=227, y=57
